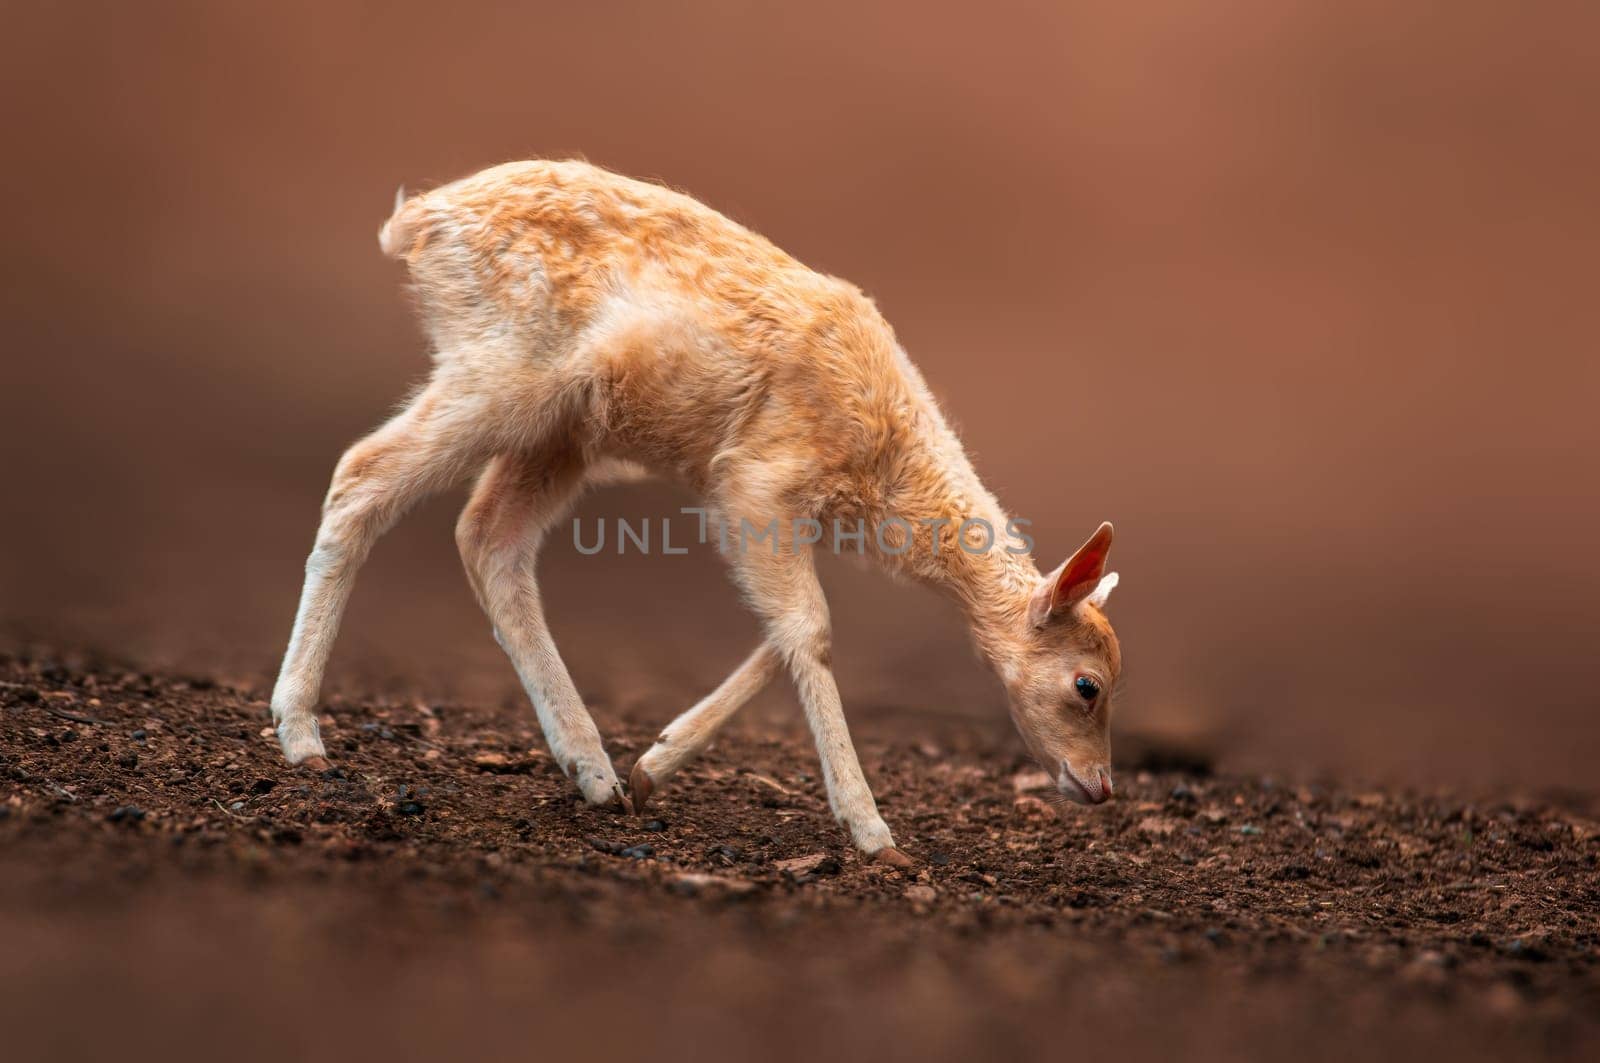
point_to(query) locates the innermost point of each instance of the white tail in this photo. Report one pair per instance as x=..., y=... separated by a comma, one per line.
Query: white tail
x=394, y=234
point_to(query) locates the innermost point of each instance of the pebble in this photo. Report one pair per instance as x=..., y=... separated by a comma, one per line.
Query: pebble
x=410, y=808
x=694, y=884
x=656, y=826
x=1027, y=781
x=502, y=764
x=128, y=813
x=638, y=852
x=813, y=864
x=920, y=894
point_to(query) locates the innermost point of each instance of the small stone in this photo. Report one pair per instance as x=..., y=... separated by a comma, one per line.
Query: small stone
x=1026, y=781
x=126, y=814
x=694, y=884
x=138, y=735
x=410, y=808
x=1181, y=794
x=638, y=852
x=334, y=774
x=920, y=894
x=1249, y=829
x=800, y=865
x=656, y=826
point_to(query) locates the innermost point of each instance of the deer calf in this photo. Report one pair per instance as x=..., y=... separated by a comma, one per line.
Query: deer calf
x=586, y=326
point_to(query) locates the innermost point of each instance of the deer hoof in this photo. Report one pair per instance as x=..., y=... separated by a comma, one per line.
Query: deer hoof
x=640, y=786
x=316, y=764
x=892, y=857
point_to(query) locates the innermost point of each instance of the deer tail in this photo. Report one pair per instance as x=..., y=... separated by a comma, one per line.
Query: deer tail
x=398, y=235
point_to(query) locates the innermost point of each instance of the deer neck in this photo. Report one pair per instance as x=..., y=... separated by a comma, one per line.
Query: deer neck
x=963, y=543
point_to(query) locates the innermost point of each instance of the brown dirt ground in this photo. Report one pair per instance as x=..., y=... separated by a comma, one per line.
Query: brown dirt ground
x=168, y=886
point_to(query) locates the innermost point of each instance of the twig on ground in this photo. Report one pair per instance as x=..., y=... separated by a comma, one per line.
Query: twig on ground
x=764, y=781
x=75, y=717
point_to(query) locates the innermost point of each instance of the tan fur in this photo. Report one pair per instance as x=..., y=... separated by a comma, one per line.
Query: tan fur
x=587, y=326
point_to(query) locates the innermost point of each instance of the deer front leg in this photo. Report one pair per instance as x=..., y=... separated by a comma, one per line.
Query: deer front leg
x=499, y=534
x=783, y=587
x=685, y=737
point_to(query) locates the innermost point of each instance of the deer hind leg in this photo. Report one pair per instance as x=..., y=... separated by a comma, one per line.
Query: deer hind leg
x=782, y=587
x=688, y=735
x=515, y=503
x=425, y=447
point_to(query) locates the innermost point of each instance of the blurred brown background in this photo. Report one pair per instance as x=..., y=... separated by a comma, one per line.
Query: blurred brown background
x=1300, y=295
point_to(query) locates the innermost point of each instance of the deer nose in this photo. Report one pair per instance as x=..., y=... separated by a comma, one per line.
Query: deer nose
x=1093, y=787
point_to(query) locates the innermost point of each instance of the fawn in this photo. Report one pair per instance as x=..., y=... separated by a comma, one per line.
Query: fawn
x=586, y=328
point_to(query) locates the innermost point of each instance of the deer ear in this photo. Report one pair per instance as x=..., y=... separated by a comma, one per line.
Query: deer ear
x=1082, y=577
x=1102, y=590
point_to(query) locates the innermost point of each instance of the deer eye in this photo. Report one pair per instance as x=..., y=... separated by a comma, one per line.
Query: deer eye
x=1087, y=688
